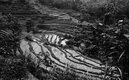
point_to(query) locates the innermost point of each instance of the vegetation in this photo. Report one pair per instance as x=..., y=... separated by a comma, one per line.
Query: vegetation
x=92, y=9
x=11, y=66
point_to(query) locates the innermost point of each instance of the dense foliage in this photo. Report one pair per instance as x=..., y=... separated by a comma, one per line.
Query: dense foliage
x=108, y=43
x=9, y=34
x=11, y=67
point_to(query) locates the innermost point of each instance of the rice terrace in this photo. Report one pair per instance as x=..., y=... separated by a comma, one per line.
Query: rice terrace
x=64, y=40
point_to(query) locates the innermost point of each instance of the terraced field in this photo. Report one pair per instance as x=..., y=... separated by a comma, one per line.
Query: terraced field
x=47, y=46
x=46, y=51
